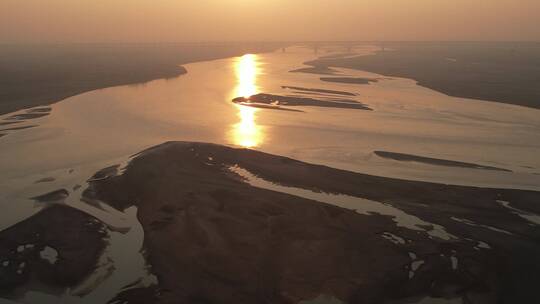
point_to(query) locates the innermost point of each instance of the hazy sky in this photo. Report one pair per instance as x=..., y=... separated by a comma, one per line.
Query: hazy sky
x=220, y=20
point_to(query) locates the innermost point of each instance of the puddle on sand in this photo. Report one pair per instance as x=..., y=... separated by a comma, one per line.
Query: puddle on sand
x=49, y=254
x=360, y=205
x=415, y=264
x=479, y=244
x=483, y=245
x=473, y=224
x=455, y=262
x=530, y=217
x=393, y=238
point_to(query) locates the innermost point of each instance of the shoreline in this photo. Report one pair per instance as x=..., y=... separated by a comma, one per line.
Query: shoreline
x=221, y=212
x=464, y=70
x=191, y=203
x=434, y=161
x=43, y=75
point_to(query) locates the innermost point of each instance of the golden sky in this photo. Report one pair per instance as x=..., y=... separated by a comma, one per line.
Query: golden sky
x=237, y=20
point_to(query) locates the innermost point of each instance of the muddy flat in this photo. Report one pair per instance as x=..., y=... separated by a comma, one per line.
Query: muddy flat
x=293, y=101
x=333, y=92
x=350, y=80
x=433, y=161
x=497, y=71
x=234, y=240
x=58, y=247
x=322, y=70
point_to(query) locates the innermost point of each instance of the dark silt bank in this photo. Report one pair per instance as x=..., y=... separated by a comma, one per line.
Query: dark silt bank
x=434, y=161
x=333, y=92
x=349, y=80
x=237, y=243
x=59, y=247
x=292, y=101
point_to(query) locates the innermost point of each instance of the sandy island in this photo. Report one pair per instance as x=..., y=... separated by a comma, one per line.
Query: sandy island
x=434, y=161
x=349, y=80
x=323, y=91
x=281, y=102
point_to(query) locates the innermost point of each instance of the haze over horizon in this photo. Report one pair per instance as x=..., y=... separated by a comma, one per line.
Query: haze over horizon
x=85, y=21
x=269, y=151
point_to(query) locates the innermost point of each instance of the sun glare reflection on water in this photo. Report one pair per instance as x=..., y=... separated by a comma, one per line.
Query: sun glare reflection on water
x=247, y=133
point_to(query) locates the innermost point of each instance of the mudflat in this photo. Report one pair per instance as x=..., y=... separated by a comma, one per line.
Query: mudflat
x=212, y=237
x=59, y=247
x=278, y=102
x=434, y=161
x=505, y=72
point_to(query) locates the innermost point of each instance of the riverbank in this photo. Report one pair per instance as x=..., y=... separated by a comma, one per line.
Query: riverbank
x=504, y=72
x=235, y=240
x=36, y=75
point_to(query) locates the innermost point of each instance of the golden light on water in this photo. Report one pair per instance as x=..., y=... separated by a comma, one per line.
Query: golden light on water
x=247, y=133
x=246, y=72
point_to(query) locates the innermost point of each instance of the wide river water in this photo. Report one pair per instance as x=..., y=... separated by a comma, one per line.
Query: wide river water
x=97, y=129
